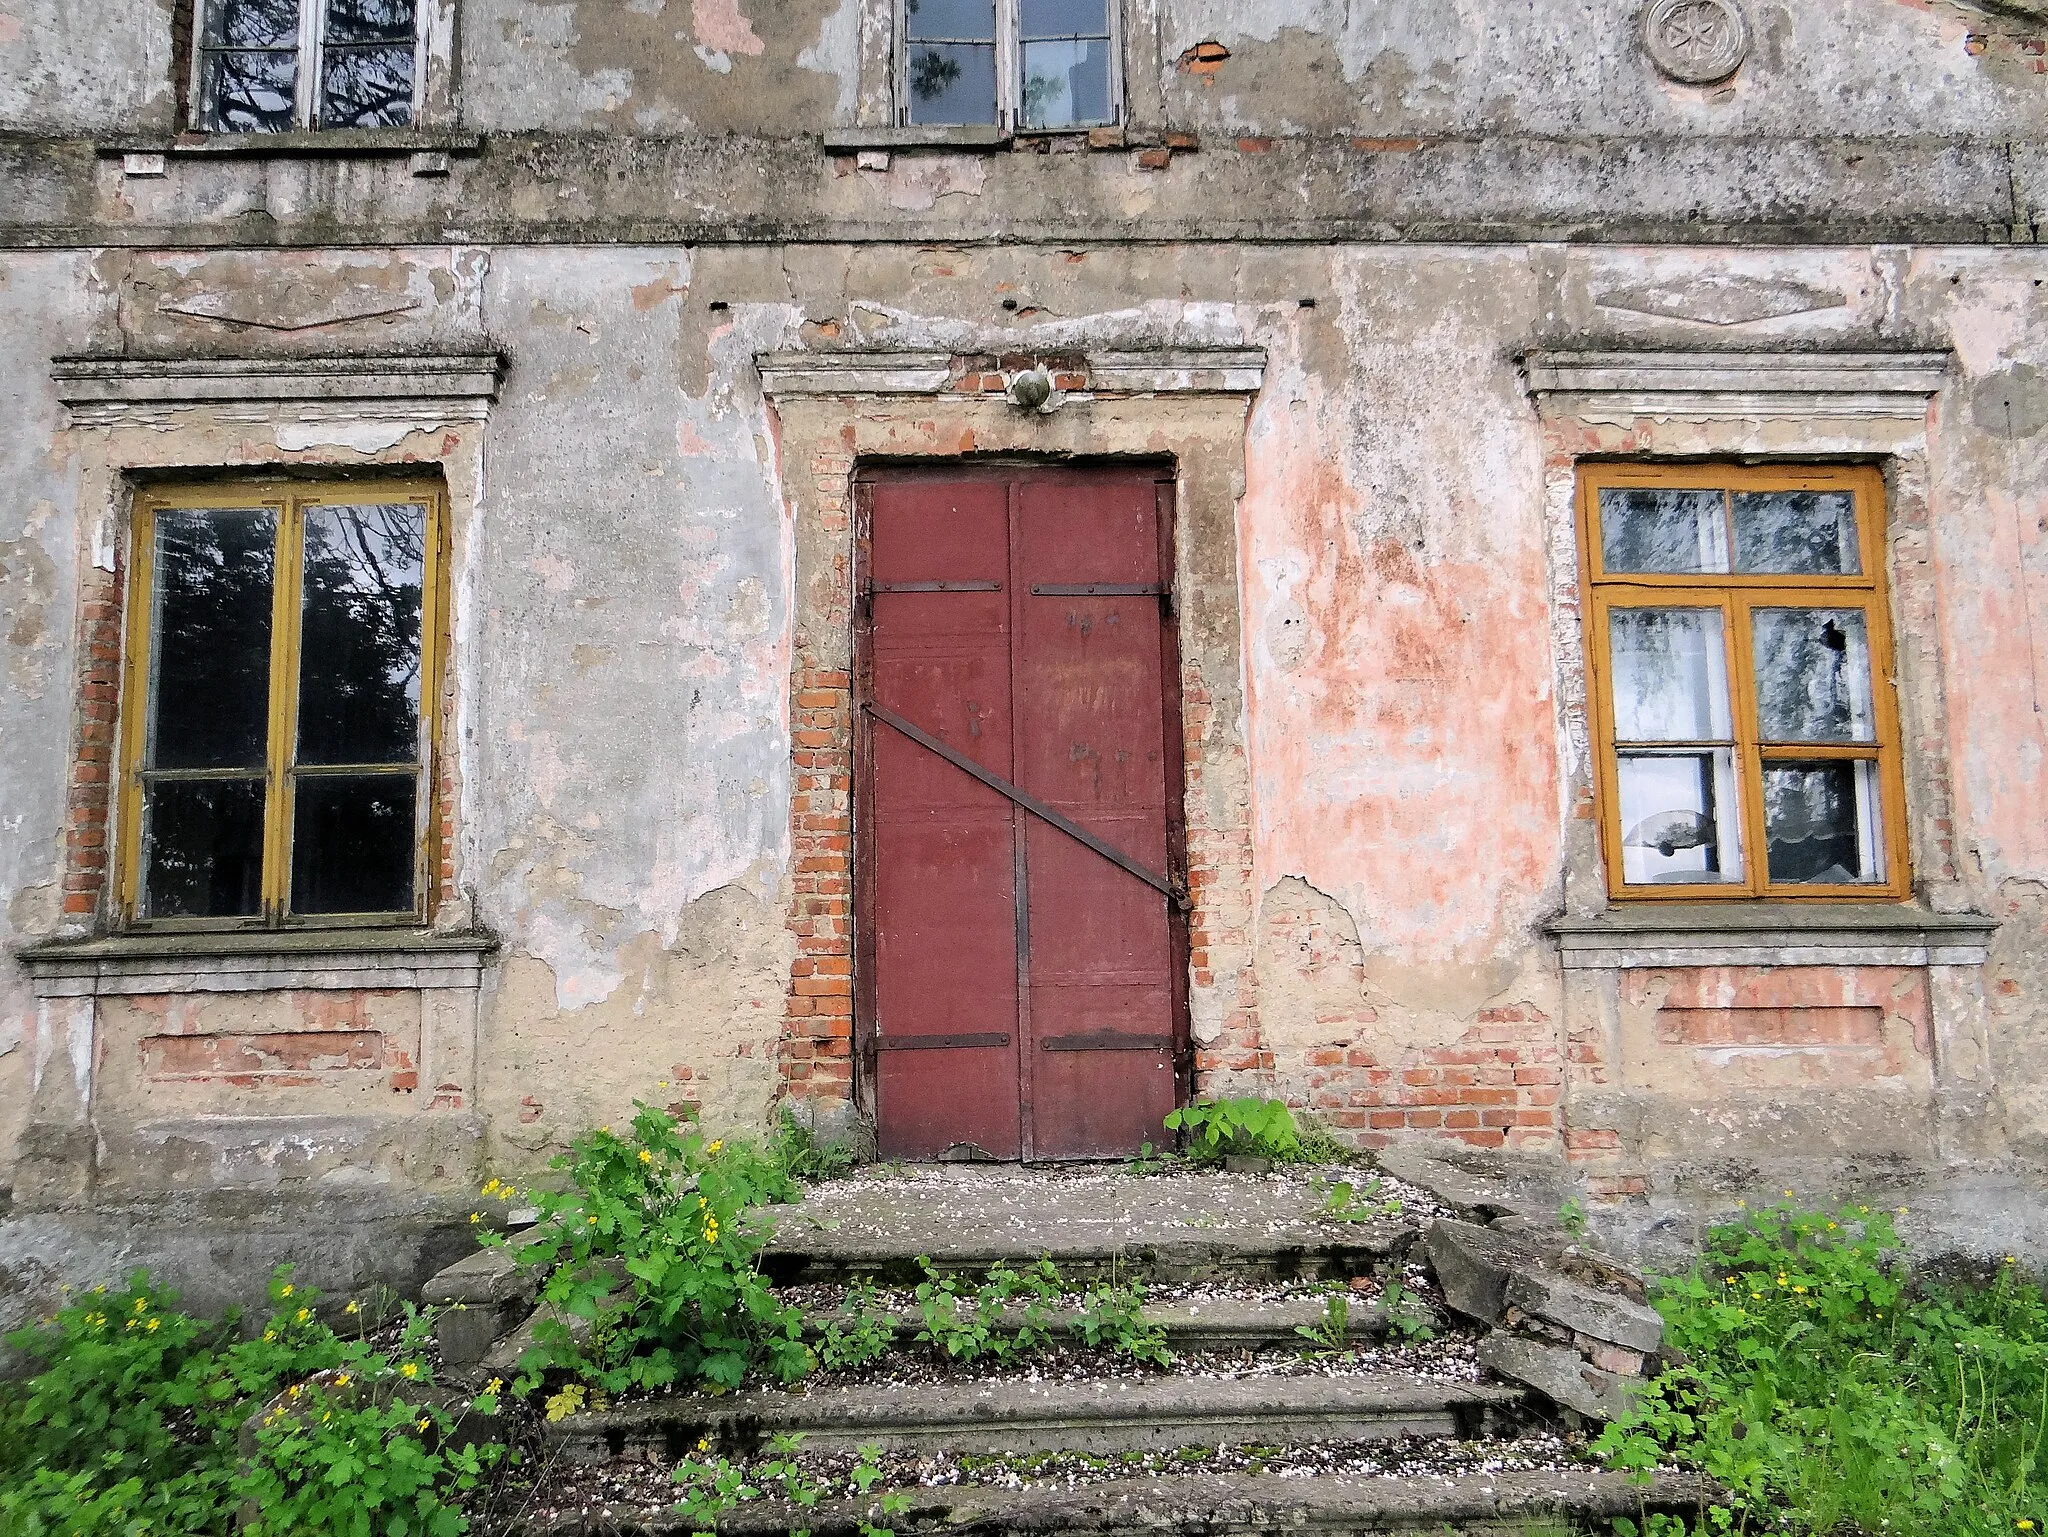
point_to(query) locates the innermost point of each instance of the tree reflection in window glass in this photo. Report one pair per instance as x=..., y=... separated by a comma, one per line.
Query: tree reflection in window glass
x=950, y=67
x=366, y=64
x=249, y=66
x=359, y=667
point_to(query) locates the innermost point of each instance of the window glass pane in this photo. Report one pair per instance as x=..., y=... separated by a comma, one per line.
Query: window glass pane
x=1670, y=672
x=953, y=83
x=369, y=21
x=353, y=837
x=1653, y=530
x=1678, y=818
x=1812, y=675
x=1823, y=822
x=1797, y=532
x=210, y=676
x=252, y=24
x=202, y=848
x=359, y=652
x=366, y=87
x=1064, y=18
x=954, y=19
x=1066, y=84
x=248, y=92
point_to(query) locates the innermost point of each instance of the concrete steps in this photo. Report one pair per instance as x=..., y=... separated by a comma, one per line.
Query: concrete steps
x=1208, y=1505
x=1008, y=1417
x=1221, y=1323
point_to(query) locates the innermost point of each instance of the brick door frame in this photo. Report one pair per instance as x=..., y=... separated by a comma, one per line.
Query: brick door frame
x=832, y=413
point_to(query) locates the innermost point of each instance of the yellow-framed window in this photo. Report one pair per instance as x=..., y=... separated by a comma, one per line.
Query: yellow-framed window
x=279, y=713
x=1746, y=725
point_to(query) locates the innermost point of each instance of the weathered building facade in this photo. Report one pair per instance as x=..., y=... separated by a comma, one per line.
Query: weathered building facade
x=484, y=474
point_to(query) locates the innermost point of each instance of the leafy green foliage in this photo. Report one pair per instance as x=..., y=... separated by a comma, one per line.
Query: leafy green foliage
x=1407, y=1314
x=1571, y=1216
x=1112, y=1318
x=130, y=1426
x=652, y=1244
x=1001, y=1319
x=1346, y=1202
x=1826, y=1395
x=712, y=1488
x=864, y=1332
x=1218, y=1128
x=1331, y=1337
x=804, y=1157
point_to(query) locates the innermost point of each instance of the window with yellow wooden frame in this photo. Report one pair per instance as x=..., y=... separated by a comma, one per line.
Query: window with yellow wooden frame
x=278, y=706
x=1747, y=730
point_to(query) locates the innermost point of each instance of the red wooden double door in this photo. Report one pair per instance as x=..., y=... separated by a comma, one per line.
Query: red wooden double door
x=1019, y=846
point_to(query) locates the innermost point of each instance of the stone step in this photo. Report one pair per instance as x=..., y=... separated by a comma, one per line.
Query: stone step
x=1163, y=1227
x=1206, y=1505
x=1012, y=1416
x=1215, y=1323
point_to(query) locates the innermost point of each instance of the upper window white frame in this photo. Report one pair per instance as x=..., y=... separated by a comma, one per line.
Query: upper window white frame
x=314, y=35
x=972, y=39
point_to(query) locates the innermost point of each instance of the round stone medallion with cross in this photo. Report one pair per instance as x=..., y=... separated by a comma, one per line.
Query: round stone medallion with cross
x=1696, y=42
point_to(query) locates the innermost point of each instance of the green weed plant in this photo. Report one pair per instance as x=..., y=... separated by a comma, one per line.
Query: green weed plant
x=1214, y=1129
x=1829, y=1395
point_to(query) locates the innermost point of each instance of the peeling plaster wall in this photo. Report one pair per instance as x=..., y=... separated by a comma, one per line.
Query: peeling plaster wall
x=40, y=549
x=68, y=68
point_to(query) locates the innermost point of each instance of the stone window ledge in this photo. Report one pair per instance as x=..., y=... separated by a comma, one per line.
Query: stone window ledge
x=326, y=960
x=300, y=142
x=1771, y=934
x=967, y=136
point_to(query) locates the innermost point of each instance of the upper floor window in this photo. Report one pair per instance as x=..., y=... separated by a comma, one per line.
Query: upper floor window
x=1028, y=65
x=278, y=705
x=268, y=66
x=1747, y=732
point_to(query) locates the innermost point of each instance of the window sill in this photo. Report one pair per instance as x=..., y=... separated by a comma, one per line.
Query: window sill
x=1771, y=934
x=979, y=136
x=319, y=960
x=324, y=141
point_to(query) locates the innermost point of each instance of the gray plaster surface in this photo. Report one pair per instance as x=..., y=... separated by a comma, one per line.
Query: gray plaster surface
x=1011, y=1416
x=965, y=1217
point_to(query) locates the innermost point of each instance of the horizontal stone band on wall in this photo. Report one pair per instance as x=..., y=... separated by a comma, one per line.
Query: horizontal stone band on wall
x=136, y=966
x=110, y=392
x=1724, y=384
x=1160, y=371
x=1810, y=936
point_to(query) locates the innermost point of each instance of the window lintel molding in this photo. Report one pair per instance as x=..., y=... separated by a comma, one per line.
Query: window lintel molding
x=1156, y=371
x=1723, y=384
x=408, y=958
x=1650, y=935
x=112, y=391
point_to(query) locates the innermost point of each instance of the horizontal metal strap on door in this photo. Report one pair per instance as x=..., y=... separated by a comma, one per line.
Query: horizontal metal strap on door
x=1037, y=808
x=944, y=1042
x=937, y=587
x=1106, y=1040
x=1098, y=590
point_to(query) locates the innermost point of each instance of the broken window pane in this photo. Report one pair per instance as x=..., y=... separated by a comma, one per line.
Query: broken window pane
x=353, y=843
x=1812, y=675
x=210, y=674
x=1823, y=824
x=1800, y=533
x=202, y=848
x=1658, y=531
x=359, y=668
x=1678, y=817
x=1670, y=675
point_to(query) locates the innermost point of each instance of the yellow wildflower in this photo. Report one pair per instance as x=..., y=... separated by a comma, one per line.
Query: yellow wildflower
x=410, y=1370
x=2024, y=1524
x=645, y=1156
x=153, y=1323
x=704, y=1444
x=342, y=1380
x=1902, y=1211
x=494, y=1385
x=353, y=1307
x=286, y=1290
x=717, y=1146
x=422, y=1425
x=269, y=1334
x=303, y=1314
x=1800, y=1289
x=476, y=1216
x=2011, y=1259
x=1788, y=1195
x=142, y=1304
x=591, y=1220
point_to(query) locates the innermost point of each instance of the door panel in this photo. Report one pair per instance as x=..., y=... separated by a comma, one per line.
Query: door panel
x=1018, y=617
x=944, y=895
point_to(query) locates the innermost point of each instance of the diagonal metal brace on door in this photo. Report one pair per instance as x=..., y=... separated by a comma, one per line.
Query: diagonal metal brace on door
x=1171, y=890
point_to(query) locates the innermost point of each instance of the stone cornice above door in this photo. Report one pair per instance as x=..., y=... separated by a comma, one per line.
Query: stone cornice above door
x=1158, y=371
x=1724, y=385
